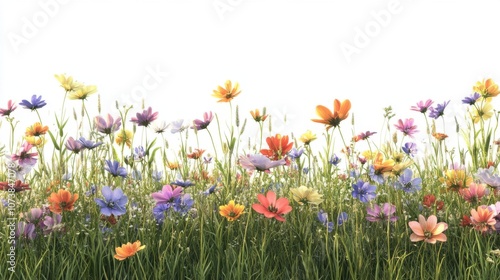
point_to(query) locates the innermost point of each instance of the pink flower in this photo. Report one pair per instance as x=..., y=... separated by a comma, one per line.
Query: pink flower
x=483, y=218
x=474, y=193
x=428, y=230
x=272, y=208
x=407, y=127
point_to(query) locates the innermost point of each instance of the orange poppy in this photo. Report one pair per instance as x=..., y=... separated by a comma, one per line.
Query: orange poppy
x=61, y=201
x=36, y=130
x=226, y=93
x=340, y=113
x=278, y=147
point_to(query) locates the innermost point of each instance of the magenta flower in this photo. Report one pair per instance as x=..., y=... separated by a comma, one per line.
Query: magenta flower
x=145, y=118
x=10, y=108
x=108, y=125
x=167, y=195
x=202, y=124
x=25, y=157
x=259, y=162
x=407, y=127
x=422, y=106
x=377, y=214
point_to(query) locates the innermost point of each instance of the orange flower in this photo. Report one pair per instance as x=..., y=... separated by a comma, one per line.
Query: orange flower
x=271, y=207
x=61, y=201
x=483, y=218
x=340, y=113
x=18, y=186
x=278, y=147
x=439, y=136
x=428, y=230
x=382, y=166
x=231, y=211
x=36, y=130
x=226, y=93
x=487, y=88
x=172, y=165
x=128, y=250
x=257, y=116
x=196, y=154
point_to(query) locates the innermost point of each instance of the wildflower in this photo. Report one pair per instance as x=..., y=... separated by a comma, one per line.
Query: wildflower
x=259, y=162
x=439, y=136
x=91, y=191
x=167, y=195
x=363, y=136
x=210, y=190
x=483, y=218
x=157, y=176
x=202, y=124
x=19, y=169
x=340, y=113
x=145, y=118
x=257, y=116
x=10, y=108
x=377, y=214
x=177, y=126
x=271, y=207
x=74, y=146
x=196, y=154
x=25, y=230
x=474, y=193
x=160, y=126
x=422, y=106
x=61, y=201
x=380, y=168
x=279, y=146
x=173, y=165
x=182, y=183
x=407, y=183
x=295, y=154
x=89, y=144
x=437, y=112
x=124, y=136
x=34, y=215
x=52, y=224
x=36, y=103
x=341, y=218
x=428, y=230
x=407, y=127
x=183, y=204
x=139, y=153
x=335, y=160
x=67, y=83
x=36, y=130
x=226, y=93
x=472, y=99
x=108, y=125
x=160, y=210
x=35, y=141
x=486, y=176
x=231, y=211
x=114, y=168
x=82, y=92
x=307, y=137
x=430, y=201
x=18, y=186
x=305, y=195
x=113, y=203
x=487, y=88
x=323, y=219
x=363, y=191
x=25, y=157
x=128, y=250
x=456, y=179
x=484, y=111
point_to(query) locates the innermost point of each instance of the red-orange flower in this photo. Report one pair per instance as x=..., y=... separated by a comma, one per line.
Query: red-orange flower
x=61, y=201
x=18, y=186
x=271, y=207
x=196, y=154
x=340, y=113
x=36, y=129
x=226, y=93
x=430, y=201
x=128, y=250
x=279, y=146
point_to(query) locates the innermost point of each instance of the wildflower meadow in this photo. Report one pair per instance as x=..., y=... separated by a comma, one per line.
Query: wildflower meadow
x=127, y=194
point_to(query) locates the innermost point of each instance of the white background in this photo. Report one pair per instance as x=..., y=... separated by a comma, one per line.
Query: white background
x=286, y=55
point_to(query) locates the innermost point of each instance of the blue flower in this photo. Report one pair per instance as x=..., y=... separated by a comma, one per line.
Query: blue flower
x=183, y=204
x=472, y=99
x=406, y=183
x=157, y=175
x=379, y=178
x=89, y=144
x=182, y=183
x=363, y=191
x=160, y=211
x=437, y=112
x=341, y=218
x=335, y=160
x=410, y=148
x=74, y=145
x=139, y=153
x=113, y=203
x=36, y=103
x=90, y=192
x=295, y=154
x=114, y=168
x=323, y=219
x=210, y=190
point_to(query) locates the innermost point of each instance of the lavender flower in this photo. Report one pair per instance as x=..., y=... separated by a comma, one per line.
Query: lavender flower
x=114, y=168
x=74, y=146
x=488, y=177
x=407, y=127
x=323, y=219
x=139, y=153
x=25, y=230
x=36, y=103
x=108, y=125
x=259, y=162
x=160, y=211
x=472, y=99
x=202, y=124
x=363, y=191
x=422, y=106
x=377, y=214
x=335, y=160
x=183, y=204
x=144, y=118
x=410, y=148
x=89, y=144
x=25, y=157
x=10, y=108
x=167, y=195
x=177, y=126
x=406, y=183
x=295, y=154
x=113, y=203
x=182, y=183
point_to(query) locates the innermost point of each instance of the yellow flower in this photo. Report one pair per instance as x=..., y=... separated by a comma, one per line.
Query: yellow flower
x=82, y=92
x=257, y=116
x=483, y=111
x=67, y=82
x=307, y=137
x=398, y=168
x=226, y=93
x=487, y=88
x=35, y=141
x=36, y=130
x=172, y=165
x=456, y=179
x=231, y=211
x=368, y=155
x=305, y=195
x=124, y=136
x=128, y=250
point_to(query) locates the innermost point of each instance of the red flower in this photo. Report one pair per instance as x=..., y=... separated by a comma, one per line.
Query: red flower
x=18, y=186
x=430, y=201
x=196, y=154
x=272, y=208
x=279, y=146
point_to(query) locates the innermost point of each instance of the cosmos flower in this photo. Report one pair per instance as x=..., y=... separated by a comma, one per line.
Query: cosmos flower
x=259, y=162
x=177, y=126
x=422, y=106
x=167, y=195
x=113, y=203
x=271, y=207
x=378, y=214
x=483, y=218
x=407, y=127
x=36, y=129
x=202, y=124
x=340, y=113
x=437, y=112
x=62, y=200
x=226, y=93
x=307, y=137
x=74, y=146
x=472, y=99
x=36, y=103
x=483, y=112
x=145, y=118
x=304, y=195
x=487, y=88
x=428, y=230
x=196, y=154
x=108, y=125
x=67, y=82
x=10, y=108
x=25, y=157
x=115, y=169
x=474, y=193
x=231, y=211
x=18, y=186
x=363, y=136
x=160, y=126
x=257, y=116
x=488, y=177
x=81, y=93
x=89, y=144
x=128, y=250
x=363, y=191
x=407, y=183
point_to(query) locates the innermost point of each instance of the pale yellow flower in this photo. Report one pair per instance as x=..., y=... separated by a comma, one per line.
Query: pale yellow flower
x=305, y=195
x=67, y=82
x=124, y=136
x=307, y=137
x=82, y=92
x=483, y=111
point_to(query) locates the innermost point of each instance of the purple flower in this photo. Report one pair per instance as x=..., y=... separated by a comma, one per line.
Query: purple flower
x=36, y=103
x=10, y=108
x=139, y=153
x=363, y=191
x=259, y=162
x=89, y=144
x=52, y=224
x=363, y=136
x=422, y=106
x=335, y=160
x=167, y=195
x=376, y=176
x=410, y=148
x=438, y=111
x=294, y=153
x=92, y=191
x=407, y=127
x=144, y=118
x=108, y=125
x=114, y=168
x=25, y=230
x=202, y=124
x=323, y=219
x=157, y=175
x=487, y=177
x=33, y=216
x=113, y=203
x=377, y=214
x=25, y=157
x=74, y=146
x=160, y=211
x=183, y=204
x=341, y=218
x=210, y=190
x=407, y=183
x=182, y=183
x=472, y=99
